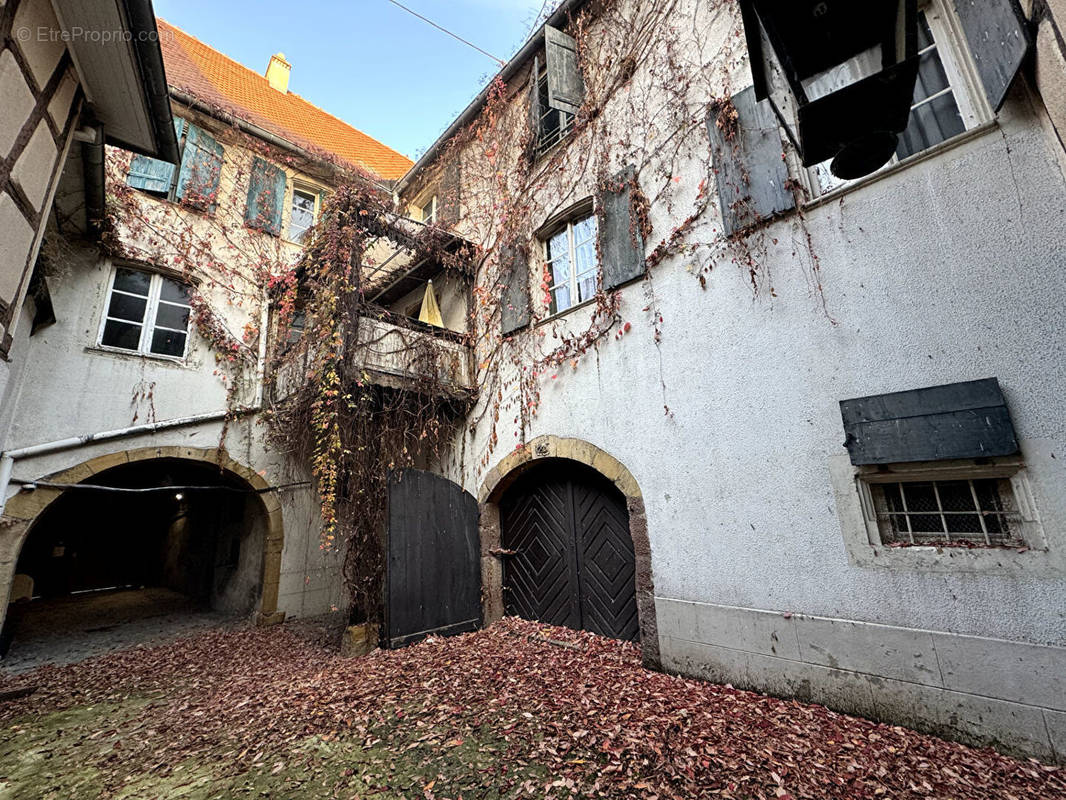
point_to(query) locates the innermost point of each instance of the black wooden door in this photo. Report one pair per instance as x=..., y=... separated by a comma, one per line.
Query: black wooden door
x=572, y=561
x=433, y=577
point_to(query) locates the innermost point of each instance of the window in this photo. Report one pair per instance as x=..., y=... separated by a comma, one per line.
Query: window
x=556, y=92
x=975, y=512
x=146, y=314
x=195, y=182
x=570, y=264
x=554, y=123
x=428, y=212
x=302, y=214
x=946, y=102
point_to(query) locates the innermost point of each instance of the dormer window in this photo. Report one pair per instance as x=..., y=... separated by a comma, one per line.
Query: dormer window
x=556, y=90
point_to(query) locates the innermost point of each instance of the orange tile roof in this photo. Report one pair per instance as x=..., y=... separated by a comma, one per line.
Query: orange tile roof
x=202, y=71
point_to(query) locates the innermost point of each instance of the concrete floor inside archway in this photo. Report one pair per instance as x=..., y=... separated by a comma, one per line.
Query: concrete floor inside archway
x=65, y=630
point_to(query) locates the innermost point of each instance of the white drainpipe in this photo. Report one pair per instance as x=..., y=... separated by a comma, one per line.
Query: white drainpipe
x=8, y=457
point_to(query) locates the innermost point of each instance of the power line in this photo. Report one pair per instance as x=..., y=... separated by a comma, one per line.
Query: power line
x=445, y=30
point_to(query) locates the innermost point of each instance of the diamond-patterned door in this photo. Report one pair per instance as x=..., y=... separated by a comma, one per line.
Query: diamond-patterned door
x=573, y=561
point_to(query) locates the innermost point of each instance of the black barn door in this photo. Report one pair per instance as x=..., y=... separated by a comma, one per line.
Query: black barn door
x=433, y=578
x=572, y=561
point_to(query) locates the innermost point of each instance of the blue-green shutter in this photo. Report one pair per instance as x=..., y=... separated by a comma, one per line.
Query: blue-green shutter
x=201, y=170
x=266, y=197
x=151, y=174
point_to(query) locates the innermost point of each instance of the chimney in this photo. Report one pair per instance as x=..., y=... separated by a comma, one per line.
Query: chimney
x=277, y=73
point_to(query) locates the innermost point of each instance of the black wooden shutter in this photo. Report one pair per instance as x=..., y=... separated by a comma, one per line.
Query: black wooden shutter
x=621, y=237
x=751, y=173
x=959, y=420
x=566, y=87
x=433, y=576
x=266, y=197
x=514, y=274
x=999, y=41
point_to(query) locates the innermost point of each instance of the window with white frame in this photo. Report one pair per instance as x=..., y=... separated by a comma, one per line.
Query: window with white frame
x=570, y=263
x=947, y=100
x=428, y=212
x=302, y=214
x=970, y=512
x=146, y=313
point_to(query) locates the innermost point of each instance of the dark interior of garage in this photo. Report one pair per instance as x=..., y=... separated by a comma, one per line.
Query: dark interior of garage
x=161, y=536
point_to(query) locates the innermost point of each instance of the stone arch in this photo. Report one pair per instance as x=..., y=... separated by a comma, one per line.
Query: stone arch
x=504, y=474
x=26, y=507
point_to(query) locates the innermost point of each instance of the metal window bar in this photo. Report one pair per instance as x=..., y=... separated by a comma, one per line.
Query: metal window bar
x=906, y=515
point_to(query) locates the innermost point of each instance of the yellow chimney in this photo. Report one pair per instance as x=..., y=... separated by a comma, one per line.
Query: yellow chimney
x=277, y=73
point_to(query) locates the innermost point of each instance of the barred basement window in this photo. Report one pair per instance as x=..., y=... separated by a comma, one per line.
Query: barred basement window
x=944, y=513
x=146, y=314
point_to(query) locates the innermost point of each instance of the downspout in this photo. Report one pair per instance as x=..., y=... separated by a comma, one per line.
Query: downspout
x=8, y=457
x=92, y=164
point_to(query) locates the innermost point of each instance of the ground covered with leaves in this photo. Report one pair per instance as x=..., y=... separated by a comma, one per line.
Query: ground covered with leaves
x=518, y=710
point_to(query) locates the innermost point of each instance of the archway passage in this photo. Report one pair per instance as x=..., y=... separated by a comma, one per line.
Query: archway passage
x=167, y=539
x=570, y=559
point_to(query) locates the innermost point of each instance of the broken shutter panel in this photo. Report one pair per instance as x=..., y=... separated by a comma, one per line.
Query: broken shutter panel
x=201, y=170
x=751, y=173
x=999, y=41
x=566, y=87
x=959, y=420
x=266, y=197
x=514, y=274
x=151, y=174
x=621, y=237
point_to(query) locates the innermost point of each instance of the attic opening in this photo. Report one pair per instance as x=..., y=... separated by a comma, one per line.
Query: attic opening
x=167, y=543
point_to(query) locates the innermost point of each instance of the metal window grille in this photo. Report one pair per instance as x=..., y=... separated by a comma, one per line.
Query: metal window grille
x=978, y=512
x=555, y=124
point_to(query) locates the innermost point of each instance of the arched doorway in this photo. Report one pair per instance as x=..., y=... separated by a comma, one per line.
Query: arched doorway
x=141, y=534
x=508, y=473
x=569, y=556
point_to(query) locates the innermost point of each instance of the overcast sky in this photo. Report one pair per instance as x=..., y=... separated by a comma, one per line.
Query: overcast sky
x=366, y=61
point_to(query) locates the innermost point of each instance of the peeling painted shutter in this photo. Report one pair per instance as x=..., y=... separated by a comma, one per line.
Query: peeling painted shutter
x=999, y=41
x=621, y=238
x=534, y=104
x=566, y=87
x=201, y=170
x=151, y=174
x=266, y=197
x=959, y=420
x=514, y=274
x=751, y=173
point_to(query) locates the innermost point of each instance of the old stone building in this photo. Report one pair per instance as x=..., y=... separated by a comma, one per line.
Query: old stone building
x=689, y=317
x=148, y=375
x=620, y=352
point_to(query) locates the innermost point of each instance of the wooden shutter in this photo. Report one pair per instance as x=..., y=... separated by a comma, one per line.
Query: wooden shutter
x=751, y=173
x=959, y=420
x=151, y=174
x=621, y=237
x=999, y=42
x=566, y=87
x=514, y=274
x=266, y=197
x=201, y=170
